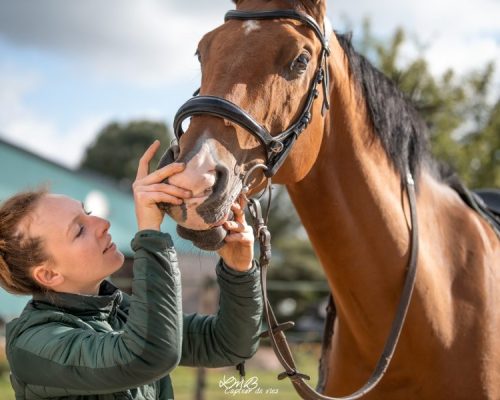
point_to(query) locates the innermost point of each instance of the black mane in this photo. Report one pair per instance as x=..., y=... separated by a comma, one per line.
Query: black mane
x=396, y=122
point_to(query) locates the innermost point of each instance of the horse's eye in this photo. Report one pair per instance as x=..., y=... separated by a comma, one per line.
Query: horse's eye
x=197, y=54
x=300, y=63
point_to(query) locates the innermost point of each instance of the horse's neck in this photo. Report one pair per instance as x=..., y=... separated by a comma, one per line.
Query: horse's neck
x=351, y=205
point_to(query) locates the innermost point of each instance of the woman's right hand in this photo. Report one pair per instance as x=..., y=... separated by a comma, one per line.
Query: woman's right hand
x=149, y=190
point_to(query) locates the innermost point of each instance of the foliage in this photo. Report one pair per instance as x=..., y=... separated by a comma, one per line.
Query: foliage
x=118, y=147
x=481, y=163
x=462, y=120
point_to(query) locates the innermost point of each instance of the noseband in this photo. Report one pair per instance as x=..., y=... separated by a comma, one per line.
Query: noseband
x=276, y=146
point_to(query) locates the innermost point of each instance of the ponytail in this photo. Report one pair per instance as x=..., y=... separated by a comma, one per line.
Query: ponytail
x=18, y=252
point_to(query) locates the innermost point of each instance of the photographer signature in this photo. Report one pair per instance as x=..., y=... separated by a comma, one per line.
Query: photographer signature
x=233, y=386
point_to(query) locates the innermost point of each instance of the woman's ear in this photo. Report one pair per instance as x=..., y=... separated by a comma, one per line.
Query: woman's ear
x=46, y=276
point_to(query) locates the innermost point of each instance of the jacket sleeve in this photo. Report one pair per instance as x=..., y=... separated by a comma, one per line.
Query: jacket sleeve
x=57, y=359
x=232, y=334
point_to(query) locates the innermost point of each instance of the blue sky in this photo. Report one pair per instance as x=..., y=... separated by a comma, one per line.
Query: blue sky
x=68, y=67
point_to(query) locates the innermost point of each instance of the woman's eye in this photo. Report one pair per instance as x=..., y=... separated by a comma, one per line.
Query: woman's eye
x=87, y=212
x=81, y=229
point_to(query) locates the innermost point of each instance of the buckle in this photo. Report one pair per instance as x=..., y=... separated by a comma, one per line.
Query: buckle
x=294, y=375
x=278, y=328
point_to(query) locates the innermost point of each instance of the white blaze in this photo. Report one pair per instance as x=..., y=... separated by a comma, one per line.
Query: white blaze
x=199, y=174
x=250, y=26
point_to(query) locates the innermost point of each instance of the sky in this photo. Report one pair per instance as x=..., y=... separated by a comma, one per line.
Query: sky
x=69, y=67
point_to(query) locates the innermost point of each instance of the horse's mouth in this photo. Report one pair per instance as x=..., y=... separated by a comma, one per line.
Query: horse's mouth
x=200, y=219
x=210, y=239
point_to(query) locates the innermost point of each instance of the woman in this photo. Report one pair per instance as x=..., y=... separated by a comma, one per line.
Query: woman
x=82, y=338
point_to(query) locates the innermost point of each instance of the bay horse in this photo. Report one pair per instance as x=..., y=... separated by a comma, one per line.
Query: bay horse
x=352, y=149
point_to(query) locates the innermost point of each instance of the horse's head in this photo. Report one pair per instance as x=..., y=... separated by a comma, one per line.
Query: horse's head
x=259, y=73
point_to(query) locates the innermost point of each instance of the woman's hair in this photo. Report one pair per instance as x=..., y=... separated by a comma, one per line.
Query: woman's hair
x=19, y=252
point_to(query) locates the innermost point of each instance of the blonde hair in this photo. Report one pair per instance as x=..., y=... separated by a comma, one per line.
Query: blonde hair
x=19, y=252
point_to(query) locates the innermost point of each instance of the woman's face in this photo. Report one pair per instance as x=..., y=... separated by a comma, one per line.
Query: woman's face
x=79, y=244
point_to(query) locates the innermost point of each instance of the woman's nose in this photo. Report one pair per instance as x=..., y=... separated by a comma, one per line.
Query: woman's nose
x=102, y=225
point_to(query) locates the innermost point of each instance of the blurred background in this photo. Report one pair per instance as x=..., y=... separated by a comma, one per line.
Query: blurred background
x=85, y=87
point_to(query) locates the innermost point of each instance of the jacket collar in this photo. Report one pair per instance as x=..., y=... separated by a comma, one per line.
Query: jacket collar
x=96, y=306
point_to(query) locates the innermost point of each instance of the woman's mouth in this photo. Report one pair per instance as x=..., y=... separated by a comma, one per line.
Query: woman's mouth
x=109, y=247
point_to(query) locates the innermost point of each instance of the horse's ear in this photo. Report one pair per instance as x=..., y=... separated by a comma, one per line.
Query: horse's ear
x=315, y=8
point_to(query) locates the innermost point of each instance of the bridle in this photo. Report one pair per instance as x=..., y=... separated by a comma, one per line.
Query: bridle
x=277, y=148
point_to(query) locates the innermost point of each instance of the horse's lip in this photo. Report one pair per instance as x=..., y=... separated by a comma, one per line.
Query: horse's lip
x=219, y=223
x=209, y=239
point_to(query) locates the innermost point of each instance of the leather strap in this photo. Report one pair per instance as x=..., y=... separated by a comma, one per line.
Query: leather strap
x=276, y=330
x=278, y=146
x=280, y=14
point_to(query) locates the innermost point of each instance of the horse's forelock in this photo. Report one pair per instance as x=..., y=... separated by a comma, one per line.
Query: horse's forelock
x=238, y=2
x=315, y=8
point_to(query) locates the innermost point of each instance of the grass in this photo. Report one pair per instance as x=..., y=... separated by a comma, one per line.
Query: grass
x=260, y=379
x=6, y=392
x=263, y=383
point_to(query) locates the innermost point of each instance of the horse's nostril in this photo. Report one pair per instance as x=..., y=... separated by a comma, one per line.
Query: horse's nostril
x=221, y=178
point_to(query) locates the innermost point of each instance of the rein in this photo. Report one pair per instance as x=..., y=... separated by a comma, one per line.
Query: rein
x=276, y=330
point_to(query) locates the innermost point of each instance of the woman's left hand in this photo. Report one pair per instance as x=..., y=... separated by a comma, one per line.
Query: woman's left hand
x=237, y=253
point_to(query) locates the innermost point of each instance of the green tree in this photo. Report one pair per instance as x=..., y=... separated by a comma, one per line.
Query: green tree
x=118, y=147
x=481, y=143
x=462, y=120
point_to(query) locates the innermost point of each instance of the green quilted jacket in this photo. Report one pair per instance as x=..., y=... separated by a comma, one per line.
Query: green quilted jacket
x=115, y=346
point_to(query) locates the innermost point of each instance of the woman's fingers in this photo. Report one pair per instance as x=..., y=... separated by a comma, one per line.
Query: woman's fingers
x=168, y=189
x=159, y=175
x=143, y=168
x=238, y=237
x=239, y=214
x=238, y=250
x=145, y=197
x=235, y=226
x=163, y=173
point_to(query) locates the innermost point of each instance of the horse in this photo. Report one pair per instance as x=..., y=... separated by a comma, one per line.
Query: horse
x=356, y=141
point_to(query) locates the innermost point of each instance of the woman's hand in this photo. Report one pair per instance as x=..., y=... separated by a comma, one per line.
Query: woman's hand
x=237, y=253
x=149, y=190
